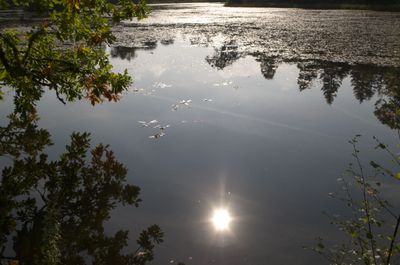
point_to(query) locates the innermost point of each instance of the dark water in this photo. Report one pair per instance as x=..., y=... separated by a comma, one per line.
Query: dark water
x=261, y=134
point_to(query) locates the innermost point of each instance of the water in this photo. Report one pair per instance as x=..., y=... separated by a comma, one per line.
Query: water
x=263, y=133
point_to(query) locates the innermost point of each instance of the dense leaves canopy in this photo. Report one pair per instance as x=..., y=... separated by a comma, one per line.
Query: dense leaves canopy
x=64, y=52
x=53, y=211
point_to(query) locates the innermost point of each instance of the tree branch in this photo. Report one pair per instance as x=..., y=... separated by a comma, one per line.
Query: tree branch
x=32, y=39
x=58, y=97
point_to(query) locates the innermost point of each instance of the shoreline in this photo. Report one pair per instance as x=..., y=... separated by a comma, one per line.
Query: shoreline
x=319, y=6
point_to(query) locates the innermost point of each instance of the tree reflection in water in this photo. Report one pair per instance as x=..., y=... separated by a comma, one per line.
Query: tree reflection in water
x=367, y=81
x=226, y=55
x=129, y=53
x=53, y=211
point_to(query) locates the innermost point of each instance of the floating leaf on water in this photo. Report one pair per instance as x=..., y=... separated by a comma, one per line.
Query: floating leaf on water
x=137, y=89
x=175, y=107
x=161, y=133
x=158, y=126
x=207, y=100
x=147, y=124
x=143, y=123
x=184, y=102
x=161, y=85
x=157, y=135
x=162, y=128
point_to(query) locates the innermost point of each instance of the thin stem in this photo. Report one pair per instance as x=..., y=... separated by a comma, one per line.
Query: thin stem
x=366, y=203
x=393, y=240
x=350, y=199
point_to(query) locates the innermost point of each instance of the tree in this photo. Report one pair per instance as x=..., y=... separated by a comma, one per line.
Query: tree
x=53, y=211
x=64, y=52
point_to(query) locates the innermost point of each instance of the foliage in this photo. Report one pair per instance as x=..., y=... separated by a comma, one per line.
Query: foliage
x=64, y=52
x=55, y=210
x=372, y=228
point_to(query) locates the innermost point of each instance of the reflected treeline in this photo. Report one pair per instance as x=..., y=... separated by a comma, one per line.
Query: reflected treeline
x=129, y=53
x=329, y=75
x=268, y=66
x=224, y=56
x=367, y=81
x=54, y=211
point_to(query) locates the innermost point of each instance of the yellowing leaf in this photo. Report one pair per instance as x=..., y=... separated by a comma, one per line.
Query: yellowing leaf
x=3, y=74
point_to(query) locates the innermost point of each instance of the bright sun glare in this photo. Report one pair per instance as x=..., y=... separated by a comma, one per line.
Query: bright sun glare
x=221, y=219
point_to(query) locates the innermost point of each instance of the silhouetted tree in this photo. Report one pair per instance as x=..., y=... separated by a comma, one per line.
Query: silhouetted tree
x=268, y=66
x=366, y=80
x=331, y=78
x=54, y=211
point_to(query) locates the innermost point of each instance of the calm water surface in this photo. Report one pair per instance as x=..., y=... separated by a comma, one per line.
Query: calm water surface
x=263, y=134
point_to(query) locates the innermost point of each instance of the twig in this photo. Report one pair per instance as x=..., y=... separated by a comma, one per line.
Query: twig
x=366, y=203
x=393, y=240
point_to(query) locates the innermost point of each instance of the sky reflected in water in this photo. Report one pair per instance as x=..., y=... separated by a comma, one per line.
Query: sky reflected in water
x=258, y=138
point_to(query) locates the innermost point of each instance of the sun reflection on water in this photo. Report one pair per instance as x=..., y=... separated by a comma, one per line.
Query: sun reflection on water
x=221, y=219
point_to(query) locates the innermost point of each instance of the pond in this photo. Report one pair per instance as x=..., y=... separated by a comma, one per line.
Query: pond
x=248, y=110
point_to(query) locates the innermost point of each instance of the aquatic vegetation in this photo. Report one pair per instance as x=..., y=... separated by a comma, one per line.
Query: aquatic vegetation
x=183, y=102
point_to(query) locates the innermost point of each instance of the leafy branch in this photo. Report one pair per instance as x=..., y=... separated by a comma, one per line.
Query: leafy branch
x=373, y=227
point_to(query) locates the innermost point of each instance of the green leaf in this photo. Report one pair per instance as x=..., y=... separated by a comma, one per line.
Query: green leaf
x=374, y=165
x=3, y=74
x=380, y=145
